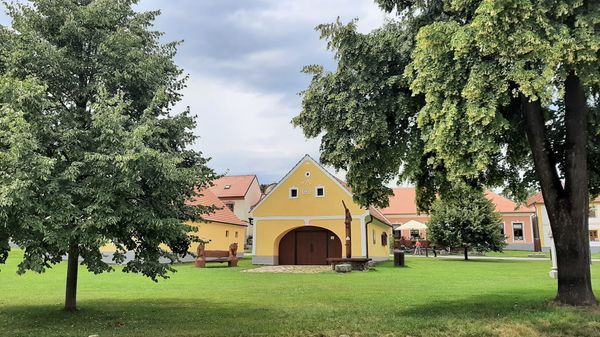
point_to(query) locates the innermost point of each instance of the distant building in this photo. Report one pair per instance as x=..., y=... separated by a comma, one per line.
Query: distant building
x=517, y=223
x=543, y=222
x=239, y=193
x=220, y=228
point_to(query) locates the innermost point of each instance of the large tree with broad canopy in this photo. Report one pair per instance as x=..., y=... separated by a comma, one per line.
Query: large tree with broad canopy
x=91, y=151
x=484, y=92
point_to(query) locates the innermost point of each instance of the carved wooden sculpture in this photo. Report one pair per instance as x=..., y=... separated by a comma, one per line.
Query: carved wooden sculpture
x=348, y=222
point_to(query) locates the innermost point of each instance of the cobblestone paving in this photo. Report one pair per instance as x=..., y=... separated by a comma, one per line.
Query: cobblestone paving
x=290, y=269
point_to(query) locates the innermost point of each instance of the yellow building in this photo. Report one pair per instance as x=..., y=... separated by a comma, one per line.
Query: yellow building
x=543, y=222
x=220, y=228
x=301, y=221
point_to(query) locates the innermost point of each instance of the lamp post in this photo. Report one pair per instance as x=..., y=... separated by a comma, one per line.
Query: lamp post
x=554, y=270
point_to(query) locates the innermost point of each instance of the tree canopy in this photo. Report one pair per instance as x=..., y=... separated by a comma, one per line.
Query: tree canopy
x=91, y=150
x=488, y=93
x=466, y=218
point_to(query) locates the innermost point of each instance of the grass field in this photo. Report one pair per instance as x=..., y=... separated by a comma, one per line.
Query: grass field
x=428, y=298
x=523, y=253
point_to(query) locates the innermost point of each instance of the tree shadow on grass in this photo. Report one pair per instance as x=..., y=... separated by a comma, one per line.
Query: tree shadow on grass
x=486, y=314
x=159, y=317
x=515, y=313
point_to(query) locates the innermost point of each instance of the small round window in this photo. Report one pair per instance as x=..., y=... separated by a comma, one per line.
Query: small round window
x=307, y=174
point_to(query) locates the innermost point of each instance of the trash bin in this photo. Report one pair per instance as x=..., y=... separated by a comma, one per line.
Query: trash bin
x=398, y=258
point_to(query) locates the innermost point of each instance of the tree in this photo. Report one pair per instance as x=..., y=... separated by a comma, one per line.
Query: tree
x=489, y=93
x=466, y=219
x=91, y=150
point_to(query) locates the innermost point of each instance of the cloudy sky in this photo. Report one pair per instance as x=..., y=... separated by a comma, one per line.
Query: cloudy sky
x=244, y=59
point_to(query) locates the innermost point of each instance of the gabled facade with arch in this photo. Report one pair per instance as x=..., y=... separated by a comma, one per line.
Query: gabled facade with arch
x=301, y=221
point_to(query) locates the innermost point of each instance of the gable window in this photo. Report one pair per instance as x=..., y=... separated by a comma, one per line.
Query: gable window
x=374, y=241
x=230, y=206
x=320, y=192
x=293, y=192
x=226, y=234
x=593, y=213
x=236, y=234
x=518, y=231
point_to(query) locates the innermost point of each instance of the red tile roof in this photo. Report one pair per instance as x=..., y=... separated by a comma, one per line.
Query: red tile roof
x=221, y=214
x=232, y=186
x=404, y=202
x=505, y=205
x=538, y=198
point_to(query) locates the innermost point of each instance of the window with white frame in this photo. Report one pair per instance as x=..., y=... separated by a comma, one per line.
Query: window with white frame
x=518, y=231
x=293, y=192
x=502, y=229
x=593, y=213
x=320, y=191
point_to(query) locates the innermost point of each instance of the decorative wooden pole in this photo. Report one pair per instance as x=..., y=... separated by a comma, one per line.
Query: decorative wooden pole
x=348, y=222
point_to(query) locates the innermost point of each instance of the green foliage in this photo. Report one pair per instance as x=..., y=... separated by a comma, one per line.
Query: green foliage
x=364, y=108
x=91, y=150
x=466, y=218
x=434, y=97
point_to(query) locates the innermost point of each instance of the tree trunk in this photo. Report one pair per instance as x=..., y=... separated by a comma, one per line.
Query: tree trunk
x=466, y=254
x=567, y=206
x=573, y=257
x=72, y=268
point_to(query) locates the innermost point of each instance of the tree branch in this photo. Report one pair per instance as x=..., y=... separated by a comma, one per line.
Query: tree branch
x=544, y=164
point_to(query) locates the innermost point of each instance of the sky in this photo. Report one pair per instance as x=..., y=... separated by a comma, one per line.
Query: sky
x=244, y=59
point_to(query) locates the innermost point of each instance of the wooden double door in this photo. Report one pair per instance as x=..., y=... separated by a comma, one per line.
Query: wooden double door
x=309, y=246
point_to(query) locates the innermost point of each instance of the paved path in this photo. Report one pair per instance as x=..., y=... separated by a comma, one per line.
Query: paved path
x=477, y=257
x=290, y=269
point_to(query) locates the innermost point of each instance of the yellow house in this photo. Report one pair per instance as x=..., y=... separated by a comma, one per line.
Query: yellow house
x=220, y=228
x=301, y=221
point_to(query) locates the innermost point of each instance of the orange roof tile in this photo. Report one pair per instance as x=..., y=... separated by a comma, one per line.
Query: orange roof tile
x=505, y=205
x=221, y=214
x=404, y=202
x=538, y=198
x=232, y=186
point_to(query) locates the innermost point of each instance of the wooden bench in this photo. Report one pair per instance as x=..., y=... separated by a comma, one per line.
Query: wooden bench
x=209, y=256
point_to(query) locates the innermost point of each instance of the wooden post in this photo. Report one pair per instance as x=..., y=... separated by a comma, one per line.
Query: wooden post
x=348, y=222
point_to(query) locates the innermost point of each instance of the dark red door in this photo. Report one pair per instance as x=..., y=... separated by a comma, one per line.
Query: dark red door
x=311, y=247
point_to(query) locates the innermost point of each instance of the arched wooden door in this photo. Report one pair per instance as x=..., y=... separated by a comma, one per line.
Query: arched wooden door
x=309, y=245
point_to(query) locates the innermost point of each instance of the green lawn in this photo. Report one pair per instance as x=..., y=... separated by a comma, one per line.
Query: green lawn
x=523, y=253
x=428, y=298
